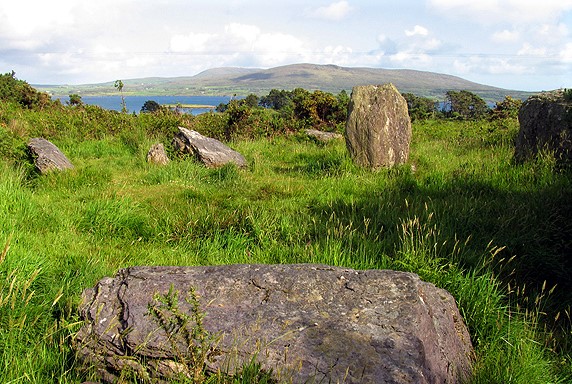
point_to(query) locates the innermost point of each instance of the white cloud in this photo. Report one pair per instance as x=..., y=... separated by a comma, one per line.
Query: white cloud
x=242, y=43
x=234, y=38
x=278, y=48
x=432, y=44
x=249, y=45
x=490, y=11
x=420, y=41
x=335, y=11
x=408, y=59
x=528, y=49
x=243, y=36
x=550, y=33
x=338, y=54
x=545, y=40
x=417, y=30
x=490, y=65
x=566, y=53
x=25, y=19
x=504, y=67
x=386, y=46
x=462, y=67
x=193, y=42
x=506, y=36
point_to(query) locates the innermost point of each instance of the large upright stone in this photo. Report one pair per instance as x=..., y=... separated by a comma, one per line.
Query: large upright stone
x=209, y=151
x=545, y=124
x=47, y=157
x=307, y=323
x=378, y=129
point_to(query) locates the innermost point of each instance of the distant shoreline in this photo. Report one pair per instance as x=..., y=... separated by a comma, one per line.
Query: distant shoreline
x=189, y=106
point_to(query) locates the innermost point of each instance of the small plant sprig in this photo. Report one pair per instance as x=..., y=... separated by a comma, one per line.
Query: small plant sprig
x=191, y=343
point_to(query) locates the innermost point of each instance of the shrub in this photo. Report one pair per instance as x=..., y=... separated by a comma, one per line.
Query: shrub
x=12, y=89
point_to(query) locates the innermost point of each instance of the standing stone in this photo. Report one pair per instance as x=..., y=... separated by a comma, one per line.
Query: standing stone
x=47, y=157
x=157, y=155
x=378, y=129
x=307, y=323
x=209, y=151
x=545, y=124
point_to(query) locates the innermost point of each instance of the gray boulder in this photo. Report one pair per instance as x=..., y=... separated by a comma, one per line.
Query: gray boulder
x=306, y=323
x=545, y=124
x=324, y=137
x=47, y=157
x=378, y=129
x=209, y=151
x=157, y=155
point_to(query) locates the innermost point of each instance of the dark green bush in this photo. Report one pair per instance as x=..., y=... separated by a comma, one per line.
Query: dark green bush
x=19, y=91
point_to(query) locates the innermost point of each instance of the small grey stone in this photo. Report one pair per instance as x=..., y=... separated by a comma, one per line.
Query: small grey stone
x=157, y=155
x=324, y=137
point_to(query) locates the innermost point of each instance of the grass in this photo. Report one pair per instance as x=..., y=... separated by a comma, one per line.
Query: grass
x=460, y=214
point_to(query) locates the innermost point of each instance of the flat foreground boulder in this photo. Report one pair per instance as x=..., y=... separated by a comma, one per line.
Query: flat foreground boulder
x=378, y=129
x=209, y=151
x=305, y=322
x=47, y=157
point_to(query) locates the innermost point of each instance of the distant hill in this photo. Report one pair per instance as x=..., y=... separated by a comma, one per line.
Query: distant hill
x=329, y=78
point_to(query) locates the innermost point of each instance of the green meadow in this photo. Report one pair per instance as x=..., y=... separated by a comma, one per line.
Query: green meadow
x=460, y=213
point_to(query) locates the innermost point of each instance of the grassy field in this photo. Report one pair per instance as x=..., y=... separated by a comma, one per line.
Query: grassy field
x=461, y=214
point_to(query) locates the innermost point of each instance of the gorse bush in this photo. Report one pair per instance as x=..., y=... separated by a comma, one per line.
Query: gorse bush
x=20, y=92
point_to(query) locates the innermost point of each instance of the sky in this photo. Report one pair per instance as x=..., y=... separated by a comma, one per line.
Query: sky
x=514, y=44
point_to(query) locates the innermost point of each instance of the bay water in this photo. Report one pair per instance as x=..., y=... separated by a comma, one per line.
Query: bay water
x=134, y=103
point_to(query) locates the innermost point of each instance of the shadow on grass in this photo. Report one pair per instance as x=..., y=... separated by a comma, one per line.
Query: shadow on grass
x=533, y=225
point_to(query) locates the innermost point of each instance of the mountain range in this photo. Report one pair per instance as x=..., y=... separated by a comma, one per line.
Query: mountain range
x=329, y=78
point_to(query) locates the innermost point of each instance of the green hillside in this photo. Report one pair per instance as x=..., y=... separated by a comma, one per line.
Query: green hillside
x=329, y=78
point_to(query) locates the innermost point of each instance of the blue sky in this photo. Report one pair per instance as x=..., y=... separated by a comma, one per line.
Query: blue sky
x=515, y=44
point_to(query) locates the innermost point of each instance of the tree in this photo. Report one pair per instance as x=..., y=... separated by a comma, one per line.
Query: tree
x=75, y=100
x=277, y=99
x=238, y=112
x=304, y=106
x=341, y=114
x=222, y=107
x=119, y=85
x=150, y=106
x=420, y=108
x=328, y=108
x=343, y=99
x=465, y=105
x=319, y=108
x=251, y=100
x=508, y=108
